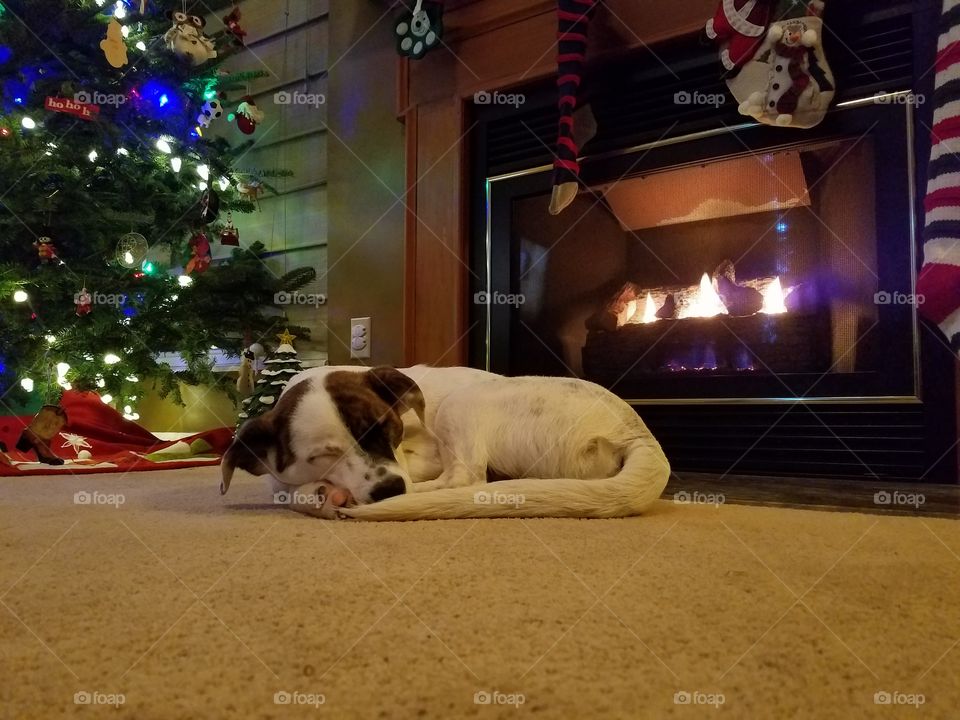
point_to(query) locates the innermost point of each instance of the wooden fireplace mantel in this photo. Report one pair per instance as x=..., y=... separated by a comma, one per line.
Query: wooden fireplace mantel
x=490, y=45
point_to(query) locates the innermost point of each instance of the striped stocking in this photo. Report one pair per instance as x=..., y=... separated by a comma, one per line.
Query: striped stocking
x=939, y=281
x=574, y=23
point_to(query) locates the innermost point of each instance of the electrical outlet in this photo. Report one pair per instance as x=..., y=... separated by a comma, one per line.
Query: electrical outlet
x=360, y=338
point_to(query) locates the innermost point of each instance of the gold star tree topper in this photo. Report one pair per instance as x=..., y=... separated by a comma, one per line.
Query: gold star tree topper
x=286, y=338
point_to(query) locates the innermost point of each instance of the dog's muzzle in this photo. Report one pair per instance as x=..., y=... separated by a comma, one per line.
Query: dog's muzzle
x=389, y=487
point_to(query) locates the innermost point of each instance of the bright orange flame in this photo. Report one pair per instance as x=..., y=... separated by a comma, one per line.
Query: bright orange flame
x=773, y=299
x=706, y=303
x=649, y=310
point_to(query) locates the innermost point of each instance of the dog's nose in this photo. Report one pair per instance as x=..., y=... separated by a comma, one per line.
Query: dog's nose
x=390, y=486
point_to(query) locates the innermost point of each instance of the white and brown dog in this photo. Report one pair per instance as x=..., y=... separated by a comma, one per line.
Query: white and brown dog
x=422, y=443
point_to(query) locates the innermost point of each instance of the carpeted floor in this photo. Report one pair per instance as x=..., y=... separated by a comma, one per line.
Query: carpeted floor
x=194, y=606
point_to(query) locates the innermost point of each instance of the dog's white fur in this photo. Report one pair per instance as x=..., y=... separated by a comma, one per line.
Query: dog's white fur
x=572, y=449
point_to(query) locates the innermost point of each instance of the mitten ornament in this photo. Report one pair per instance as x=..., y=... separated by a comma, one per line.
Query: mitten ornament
x=576, y=128
x=113, y=45
x=740, y=27
x=420, y=31
x=200, y=259
x=788, y=83
x=230, y=235
x=249, y=116
x=44, y=427
x=186, y=39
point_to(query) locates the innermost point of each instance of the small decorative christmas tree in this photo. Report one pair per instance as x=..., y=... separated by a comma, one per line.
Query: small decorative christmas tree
x=277, y=371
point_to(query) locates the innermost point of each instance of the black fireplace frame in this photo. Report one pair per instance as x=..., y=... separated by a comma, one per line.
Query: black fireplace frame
x=876, y=47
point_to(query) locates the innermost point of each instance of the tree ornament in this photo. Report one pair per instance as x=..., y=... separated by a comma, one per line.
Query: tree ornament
x=212, y=110
x=201, y=257
x=420, y=31
x=786, y=81
x=277, y=372
x=113, y=45
x=46, y=251
x=186, y=39
x=249, y=116
x=132, y=250
x=230, y=235
x=232, y=21
x=84, y=303
x=209, y=207
x=252, y=190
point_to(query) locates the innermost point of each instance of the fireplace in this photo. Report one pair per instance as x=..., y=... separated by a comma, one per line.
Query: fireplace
x=750, y=290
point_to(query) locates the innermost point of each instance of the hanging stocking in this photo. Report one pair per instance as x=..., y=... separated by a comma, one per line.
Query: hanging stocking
x=740, y=27
x=939, y=281
x=788, y=82
x=575, y=128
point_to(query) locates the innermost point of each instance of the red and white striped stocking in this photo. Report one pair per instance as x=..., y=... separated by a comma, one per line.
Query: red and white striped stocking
x=574, y=24
x=939, y=281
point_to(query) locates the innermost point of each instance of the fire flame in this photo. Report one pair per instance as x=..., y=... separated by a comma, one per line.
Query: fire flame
x=707, y=303
x=649, y=310
x=773, y=299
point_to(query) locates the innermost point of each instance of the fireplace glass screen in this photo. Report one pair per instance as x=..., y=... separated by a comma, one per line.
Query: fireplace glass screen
x=753, y=276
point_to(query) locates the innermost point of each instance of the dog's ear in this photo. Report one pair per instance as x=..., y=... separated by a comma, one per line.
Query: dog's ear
x=249, y=450
x=397, y=390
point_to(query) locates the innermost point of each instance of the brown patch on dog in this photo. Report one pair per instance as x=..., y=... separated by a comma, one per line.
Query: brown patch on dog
x=370, y=405
x=256, y=436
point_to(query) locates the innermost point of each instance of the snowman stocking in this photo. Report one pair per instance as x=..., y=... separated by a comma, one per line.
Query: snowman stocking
x=788, y=82
x=577, y=127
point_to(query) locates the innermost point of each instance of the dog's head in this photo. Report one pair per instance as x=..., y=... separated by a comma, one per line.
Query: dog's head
x=343, y=428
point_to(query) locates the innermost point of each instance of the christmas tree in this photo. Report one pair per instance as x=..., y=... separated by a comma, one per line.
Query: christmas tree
x=276, y=373
x=119, y=125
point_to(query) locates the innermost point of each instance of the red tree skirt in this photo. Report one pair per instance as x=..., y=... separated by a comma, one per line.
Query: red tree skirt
x=97, y=439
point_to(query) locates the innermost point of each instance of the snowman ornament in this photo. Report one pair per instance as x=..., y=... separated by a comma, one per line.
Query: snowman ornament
x=797, y=83
x=421, y=31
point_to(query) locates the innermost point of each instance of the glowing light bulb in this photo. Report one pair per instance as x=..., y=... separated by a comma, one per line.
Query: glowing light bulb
x=185, y=281
x=28, y=123
x=106, y=399
x=111, y=359
x=123, y=151
x=141, y=46
x=20, y=296
x=27, y=384
x=176, y=163
x=224, y=184
x=128, y=258
x=93, y=156
x=163, y=145
x=202, y=186
x=203, y=171
x=51, y=339
x=121, y=11
x=125, y=31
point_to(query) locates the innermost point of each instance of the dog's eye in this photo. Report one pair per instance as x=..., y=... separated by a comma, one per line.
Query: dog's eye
x=328, y=454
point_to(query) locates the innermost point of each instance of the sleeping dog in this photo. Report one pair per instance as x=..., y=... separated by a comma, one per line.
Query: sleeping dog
x=423, y=443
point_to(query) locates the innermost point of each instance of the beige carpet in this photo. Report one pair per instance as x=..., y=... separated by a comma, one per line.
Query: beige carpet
x=192, y=606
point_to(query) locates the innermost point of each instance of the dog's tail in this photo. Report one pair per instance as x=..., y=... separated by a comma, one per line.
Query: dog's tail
x=639, y=483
